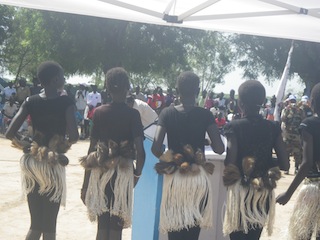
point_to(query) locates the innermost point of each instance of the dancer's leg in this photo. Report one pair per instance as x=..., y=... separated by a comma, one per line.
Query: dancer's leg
x=35, y=209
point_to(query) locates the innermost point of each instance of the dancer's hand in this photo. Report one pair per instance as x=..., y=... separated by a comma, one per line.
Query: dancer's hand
x=283, y=198
x=83, y=195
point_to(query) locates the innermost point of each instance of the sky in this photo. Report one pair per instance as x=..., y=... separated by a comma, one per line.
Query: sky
x=233, y=81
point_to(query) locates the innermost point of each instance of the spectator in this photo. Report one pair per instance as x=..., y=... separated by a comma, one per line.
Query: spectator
x=221, y=122
x=305, y=106
x=94, y=97
x=169, y=97
x=155, y=100
x=81, y=103
x=139, y=94
x=209, y=103
x=221, y=103
x=271, y=108
x=23, y=91
x=291, y=117
x=9, y=91
x=93, y=100
x=36, y=87
x=232, y=103
x=9, y=110
x=202, y=98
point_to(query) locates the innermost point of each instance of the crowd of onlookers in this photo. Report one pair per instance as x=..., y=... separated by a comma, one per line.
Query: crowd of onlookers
x=151, y=103
x=12, y=96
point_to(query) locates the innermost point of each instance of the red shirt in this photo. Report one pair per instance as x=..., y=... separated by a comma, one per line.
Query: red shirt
x=156, y=101
x=220, y=123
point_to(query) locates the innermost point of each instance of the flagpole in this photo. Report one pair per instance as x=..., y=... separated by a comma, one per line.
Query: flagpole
x=282, y=86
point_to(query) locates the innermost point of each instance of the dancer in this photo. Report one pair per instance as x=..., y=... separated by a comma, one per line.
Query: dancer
x=186, y=204
x=116, y=140
x=43, y=164
x=305, y=218
x=250, y=173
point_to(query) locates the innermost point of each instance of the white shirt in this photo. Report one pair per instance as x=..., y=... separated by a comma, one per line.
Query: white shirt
x=147, y=114
x=8, y=92
x=10, y=110
x=81, y=99
x=93, y=98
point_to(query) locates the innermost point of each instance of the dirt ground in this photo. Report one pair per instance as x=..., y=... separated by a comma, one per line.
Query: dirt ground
x=73, y=223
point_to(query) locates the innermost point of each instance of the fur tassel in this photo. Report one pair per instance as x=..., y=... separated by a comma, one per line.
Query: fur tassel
x=209, y=167
x=200, y=158
x=165, y=168
x=180, y=209
x=248, y=165
x=231, y=175
x=108, y=156
x=187, y=163
x=167, y=156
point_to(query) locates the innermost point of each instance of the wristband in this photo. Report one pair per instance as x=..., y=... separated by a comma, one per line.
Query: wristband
x=137, y=176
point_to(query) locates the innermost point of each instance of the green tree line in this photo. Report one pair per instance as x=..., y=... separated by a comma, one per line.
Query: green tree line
x=152, y=54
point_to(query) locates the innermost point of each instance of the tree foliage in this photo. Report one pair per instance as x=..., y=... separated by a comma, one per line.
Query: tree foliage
x=267, y=57
x=211, y=56
x=27, y=44
x=6, y=19
x=153, y=55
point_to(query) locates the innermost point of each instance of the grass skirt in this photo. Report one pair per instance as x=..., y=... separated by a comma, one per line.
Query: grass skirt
x=96, y=199
x=247, y=208
x=305, y=219
x=51, y=178
x=186, y=201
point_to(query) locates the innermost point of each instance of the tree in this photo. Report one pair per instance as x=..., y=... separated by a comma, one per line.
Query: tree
x=267, y=57
x=27, y=45
x=211, y=56
x=6, y=19
x=152, y=54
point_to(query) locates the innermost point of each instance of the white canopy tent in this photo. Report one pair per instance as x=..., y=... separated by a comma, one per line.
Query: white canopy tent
x=291, y=19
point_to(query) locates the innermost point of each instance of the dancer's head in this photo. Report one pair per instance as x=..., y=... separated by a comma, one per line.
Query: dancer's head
x=51, y=74
x=117, y=81
x=315, y=98
x=251, y=96
x=188, y=84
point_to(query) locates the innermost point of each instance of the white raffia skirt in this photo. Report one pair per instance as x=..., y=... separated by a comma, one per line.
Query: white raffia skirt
x=186, y=201
x=305, y=219
x=247, y=208
x=51, y=178
x=122, y=203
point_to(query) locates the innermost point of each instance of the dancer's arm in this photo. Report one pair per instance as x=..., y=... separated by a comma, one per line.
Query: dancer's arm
x=157, y=145
x=141, y=155
x=305, y=166
x=215, y=138
x=17, y=121
x=92, y=147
